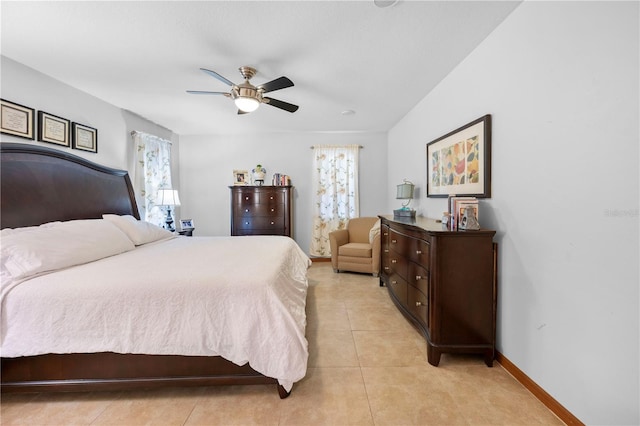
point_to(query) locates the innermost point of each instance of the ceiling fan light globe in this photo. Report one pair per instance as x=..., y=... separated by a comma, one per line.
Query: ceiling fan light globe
x=246, y=104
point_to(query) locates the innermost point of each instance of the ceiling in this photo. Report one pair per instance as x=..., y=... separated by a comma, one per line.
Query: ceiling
x=341, y=55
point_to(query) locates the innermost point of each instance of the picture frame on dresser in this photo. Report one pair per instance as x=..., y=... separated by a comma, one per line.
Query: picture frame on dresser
x=459, y=163
x=53, y=129
x=17, y=120
x=241, y=177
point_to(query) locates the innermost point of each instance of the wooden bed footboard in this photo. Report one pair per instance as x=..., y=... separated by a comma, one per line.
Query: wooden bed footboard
x=112, y=371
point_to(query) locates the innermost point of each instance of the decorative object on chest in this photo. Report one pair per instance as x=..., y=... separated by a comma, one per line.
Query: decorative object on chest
x=261, y=210
x=444, y=282
x=404, y=191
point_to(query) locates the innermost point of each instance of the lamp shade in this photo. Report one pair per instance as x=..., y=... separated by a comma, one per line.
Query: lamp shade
x=405, y=191
x=247, y=104
x=167, y=197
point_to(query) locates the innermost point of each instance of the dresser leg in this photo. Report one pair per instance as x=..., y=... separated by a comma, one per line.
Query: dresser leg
x=488, y=357
x=433, y=355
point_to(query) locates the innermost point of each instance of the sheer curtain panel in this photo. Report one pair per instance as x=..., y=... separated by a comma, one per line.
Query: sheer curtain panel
x=151, y=172
x=335, y=192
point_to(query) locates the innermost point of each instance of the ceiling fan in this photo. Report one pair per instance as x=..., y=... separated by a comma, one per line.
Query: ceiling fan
x=248, y=97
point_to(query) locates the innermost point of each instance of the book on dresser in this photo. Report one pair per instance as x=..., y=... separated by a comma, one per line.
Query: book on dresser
x=261, y=210
x=444, y=282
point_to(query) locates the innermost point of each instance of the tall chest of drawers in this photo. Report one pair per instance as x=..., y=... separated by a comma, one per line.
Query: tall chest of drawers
x=444, y=282
x=261, y=210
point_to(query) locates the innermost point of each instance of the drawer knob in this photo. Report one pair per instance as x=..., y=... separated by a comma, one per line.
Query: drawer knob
x=386, y=268
x=393, y=241
x=394, y=282
x=246, y=198
x=272, y=222
x=386, y=250
x=394, y=261
x=246, y=210
x=271, y=198
x=418, y=303
x=385, y=233
x=418, y=277
x=418, y=251
x=246, y=223
x=273, y=210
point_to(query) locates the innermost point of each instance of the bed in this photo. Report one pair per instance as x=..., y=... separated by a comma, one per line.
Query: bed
x=111, y=302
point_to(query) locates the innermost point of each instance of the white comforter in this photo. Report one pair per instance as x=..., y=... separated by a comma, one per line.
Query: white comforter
x=242, y=298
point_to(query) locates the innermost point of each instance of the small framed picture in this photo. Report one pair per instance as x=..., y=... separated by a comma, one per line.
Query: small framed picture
x=16, y=120
x=241, y=177
x=186, y=224
x=53, y=129
x=84, y=138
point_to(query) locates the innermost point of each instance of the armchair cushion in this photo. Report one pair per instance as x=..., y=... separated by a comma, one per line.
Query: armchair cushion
x=355, y=250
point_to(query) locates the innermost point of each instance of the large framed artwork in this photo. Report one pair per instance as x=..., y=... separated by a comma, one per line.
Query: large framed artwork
x=459, y=163
x=16, y=119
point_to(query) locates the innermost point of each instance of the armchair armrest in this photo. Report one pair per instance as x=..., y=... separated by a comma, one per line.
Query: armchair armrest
x=337, y=238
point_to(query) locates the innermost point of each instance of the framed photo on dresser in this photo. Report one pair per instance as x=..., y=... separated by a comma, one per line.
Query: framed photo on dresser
x=241, y=177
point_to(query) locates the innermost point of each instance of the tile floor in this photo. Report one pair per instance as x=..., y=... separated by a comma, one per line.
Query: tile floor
x=367, y=365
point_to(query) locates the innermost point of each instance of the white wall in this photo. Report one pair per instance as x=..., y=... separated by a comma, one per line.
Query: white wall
x=28, y=87
x=207, y=164
x=561, y=82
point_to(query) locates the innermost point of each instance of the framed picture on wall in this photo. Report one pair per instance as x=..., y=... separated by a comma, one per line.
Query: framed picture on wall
x=16, y=119
x=459, y=163
x=53, y=129
x=84, y=138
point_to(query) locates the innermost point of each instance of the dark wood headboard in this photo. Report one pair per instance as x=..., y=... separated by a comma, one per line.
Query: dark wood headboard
x=40, y=185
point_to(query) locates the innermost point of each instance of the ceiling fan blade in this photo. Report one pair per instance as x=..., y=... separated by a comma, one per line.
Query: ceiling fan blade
x=202, y=92
x=218, y=76
x=281, y=104
x=277, y=84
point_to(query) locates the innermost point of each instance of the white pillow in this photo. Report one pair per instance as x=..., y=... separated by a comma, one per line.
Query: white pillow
x=58, y=245
x=139, y=231
x=374, y=232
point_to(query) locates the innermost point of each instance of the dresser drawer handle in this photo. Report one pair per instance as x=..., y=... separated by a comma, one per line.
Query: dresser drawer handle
x=386, y=250
x=394, y=241
x=418, y=251
x=394, y=261
x=385, y=233
x=272, y=222
x=273, y=210
x=418, y=277
x=246, y=198
x=271, y=198
x=394, y=282
x=419, y=304
x=386, y=268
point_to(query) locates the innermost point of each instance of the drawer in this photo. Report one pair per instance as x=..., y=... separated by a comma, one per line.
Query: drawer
x=418, y=305
x=413, y=248
x=272, y=197
x=245, y=198
x=259, y=222
x=261, y=210
x=418, y=277
x=397, y=265
x=399, y=288
x=272, y=231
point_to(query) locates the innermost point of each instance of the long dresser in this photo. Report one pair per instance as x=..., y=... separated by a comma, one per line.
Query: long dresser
x=261, y=210
x=444, y=282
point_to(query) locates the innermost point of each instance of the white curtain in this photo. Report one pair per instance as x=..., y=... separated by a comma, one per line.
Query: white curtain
x=335, y=193
x=151, y=171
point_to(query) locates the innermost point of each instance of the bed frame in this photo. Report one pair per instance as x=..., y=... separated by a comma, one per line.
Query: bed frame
x=40, y=185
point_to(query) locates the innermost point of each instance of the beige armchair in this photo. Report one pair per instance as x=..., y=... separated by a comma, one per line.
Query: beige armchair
x=357, y=248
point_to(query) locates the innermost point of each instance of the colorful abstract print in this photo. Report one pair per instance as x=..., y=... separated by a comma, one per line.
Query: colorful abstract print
x=456, y=164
